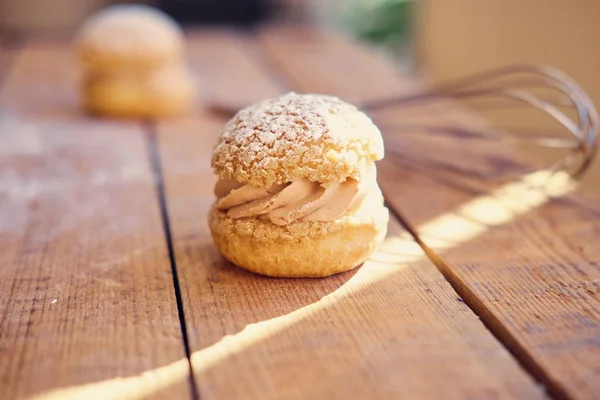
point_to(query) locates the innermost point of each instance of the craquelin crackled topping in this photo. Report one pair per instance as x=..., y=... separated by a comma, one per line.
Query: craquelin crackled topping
x=297, y=136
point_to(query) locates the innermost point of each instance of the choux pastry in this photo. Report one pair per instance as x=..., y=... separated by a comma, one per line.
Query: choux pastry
x=297, y=192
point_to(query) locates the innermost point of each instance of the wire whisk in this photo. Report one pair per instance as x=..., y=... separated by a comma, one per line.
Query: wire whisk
x=518, y=84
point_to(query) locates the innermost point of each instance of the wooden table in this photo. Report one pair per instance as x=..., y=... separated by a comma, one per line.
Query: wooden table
x=110, y=287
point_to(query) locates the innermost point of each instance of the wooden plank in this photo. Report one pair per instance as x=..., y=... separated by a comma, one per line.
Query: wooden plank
x=43, y=84
x=393, y=328
x=208, y=51
x=6, y=57
x=87, y=304
x=527, y=265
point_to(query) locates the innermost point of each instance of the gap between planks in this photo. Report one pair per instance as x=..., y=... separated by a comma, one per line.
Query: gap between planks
x=491, y=322
x=88, y=282
x=156, y=167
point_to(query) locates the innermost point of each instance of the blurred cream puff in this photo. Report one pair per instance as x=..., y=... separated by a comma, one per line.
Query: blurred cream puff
x=133, y=63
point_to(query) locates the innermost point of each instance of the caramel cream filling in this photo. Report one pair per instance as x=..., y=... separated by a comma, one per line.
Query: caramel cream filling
x=300, y=200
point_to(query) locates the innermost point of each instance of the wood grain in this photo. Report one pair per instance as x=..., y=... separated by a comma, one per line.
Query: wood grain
x=87, y=305
x=532, y=275
x=393, y=328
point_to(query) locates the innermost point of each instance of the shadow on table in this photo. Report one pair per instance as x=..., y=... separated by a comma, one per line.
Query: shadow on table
x=225, y=299
x=353, y=334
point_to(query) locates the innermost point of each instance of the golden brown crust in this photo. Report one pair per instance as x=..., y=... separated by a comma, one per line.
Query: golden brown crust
x=300, y=249
x=162, y=92
x=314, y=137
x=129, y=36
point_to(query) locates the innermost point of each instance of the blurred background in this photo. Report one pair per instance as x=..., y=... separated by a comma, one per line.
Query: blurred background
x=440, y=39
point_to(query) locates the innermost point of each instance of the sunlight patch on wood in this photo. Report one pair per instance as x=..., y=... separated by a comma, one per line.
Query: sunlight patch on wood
x=499, y=207
x=136, y=387
x=396, y=253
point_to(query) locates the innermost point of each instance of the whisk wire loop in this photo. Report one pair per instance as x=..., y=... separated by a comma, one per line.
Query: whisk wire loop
x=519, y=83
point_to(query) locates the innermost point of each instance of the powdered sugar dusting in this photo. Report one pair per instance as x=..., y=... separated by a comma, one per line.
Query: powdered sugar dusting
x=296, y=136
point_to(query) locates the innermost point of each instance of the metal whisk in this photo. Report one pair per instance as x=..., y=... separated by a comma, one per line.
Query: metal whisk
x=518, y=84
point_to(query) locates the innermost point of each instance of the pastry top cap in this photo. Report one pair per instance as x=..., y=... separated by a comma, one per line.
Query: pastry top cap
x=296, y=136
x=129, y=35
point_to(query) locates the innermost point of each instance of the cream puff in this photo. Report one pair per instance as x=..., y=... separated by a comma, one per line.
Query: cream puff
x=164, y=91
x=133, y=63
x=297, y=192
